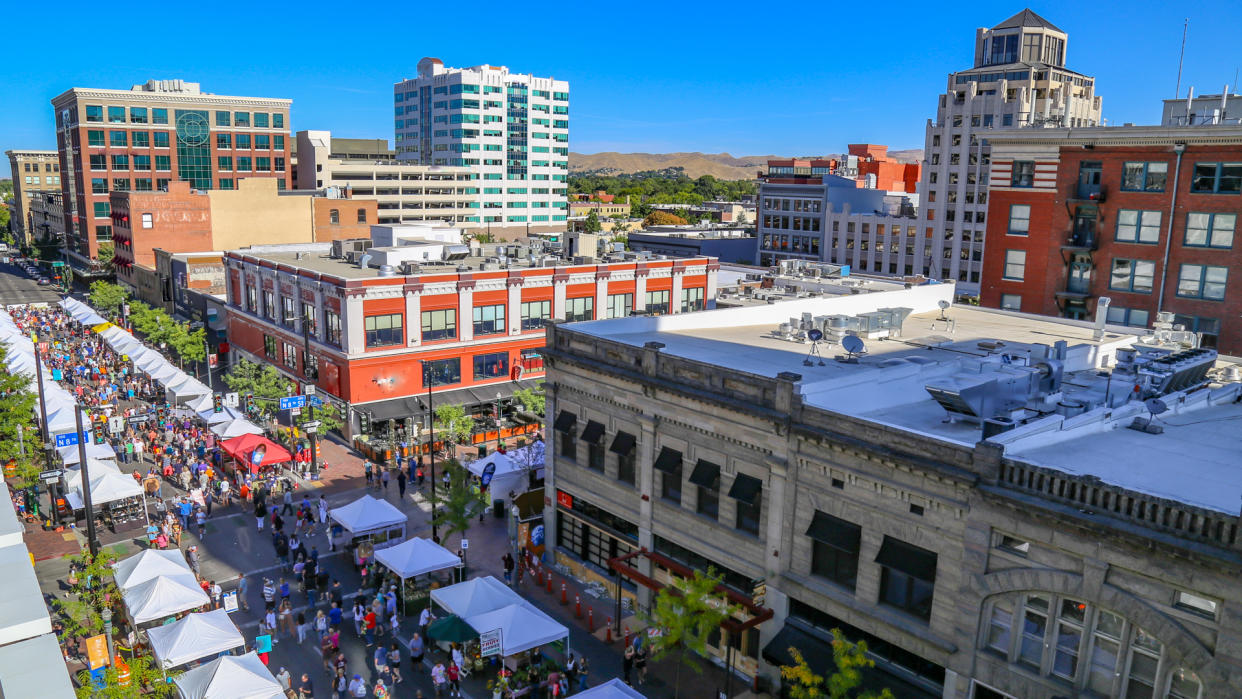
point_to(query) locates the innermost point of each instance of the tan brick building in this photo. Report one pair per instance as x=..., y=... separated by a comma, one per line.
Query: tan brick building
x=34, y=171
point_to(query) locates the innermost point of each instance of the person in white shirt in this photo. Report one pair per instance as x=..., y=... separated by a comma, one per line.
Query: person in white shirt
x=284, y=679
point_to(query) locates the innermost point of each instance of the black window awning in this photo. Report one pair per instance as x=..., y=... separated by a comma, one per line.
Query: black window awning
x=593, y=432
x=746, y=488
x=565, y=421
x=816, y=651
x=668, y=461
x=907, y=558
x=623, y=444
x=835, y=532
x=706, y=474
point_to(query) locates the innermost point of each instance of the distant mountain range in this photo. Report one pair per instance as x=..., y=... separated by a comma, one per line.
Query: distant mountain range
x=719, y=165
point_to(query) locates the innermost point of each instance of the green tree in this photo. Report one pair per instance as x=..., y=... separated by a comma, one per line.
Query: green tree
x=533, y=398
x=17, y=408
x=154, y=323
x=453, y=425
x=145, y=680
x=457, y=505
x=82, y=613
x=850, y=660
x=108, y=297
x=104, y=253
x=189, y=345
x=592, y=224
x=686, y=613
x=266, y=384
x=663, y=218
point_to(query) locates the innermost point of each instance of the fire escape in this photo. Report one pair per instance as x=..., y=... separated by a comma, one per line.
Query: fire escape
x=1082, y=240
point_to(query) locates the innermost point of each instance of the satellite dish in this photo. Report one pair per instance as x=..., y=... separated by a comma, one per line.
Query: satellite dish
x=944, y=305
x=815, y=334
x=1155, y=406
x=853, y=344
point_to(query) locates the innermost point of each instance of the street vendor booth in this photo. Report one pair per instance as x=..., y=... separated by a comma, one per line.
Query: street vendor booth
x=522, y=627
x=612, y=689
x=70, y=455
x=500, y=475
x=116, y=497
x=230, y=677
x=235, y=428
x=194, y=636
x=255, y=451
x=475, y=596
x=412, y=560
x=163, y=597
x=370, y=524
x=148, y=565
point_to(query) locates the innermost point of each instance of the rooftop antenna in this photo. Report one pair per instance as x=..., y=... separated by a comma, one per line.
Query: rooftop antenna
x=1185, y=27
x=814, y=335
x=854, y=348
x=944, y=307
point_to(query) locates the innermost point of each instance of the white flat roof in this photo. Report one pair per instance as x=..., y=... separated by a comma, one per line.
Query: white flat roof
x=23, y=614
x=11, y=529
x=888, y=385
x=33, y=668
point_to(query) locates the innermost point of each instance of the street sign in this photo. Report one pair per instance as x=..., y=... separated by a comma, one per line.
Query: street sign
x=315, y=401
x=140, y=418
x=295, y=412
x=68, y=440
x=465, y=544
x=116, y=425
x=231, y=400
x=291, y=402
x=312, y=425
x=489, y=643
x=97, y=651
x=51, y=476
x=309, y=390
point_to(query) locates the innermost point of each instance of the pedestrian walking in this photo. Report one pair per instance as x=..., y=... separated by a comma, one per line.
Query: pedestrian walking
x=191, y=557
x=288, y=500
x=341, y=685
x=357, y=687
x=422, y=477
x=207, y=499
x=384, y=477
x=260, y=513
x=366, y=471
x=302, y=626
x=507, y=561
x=306, y=690
x=242, y=586
x=394, y=662
x=381, y=690
x=640, y=664
x=583, y=670
x=439, y=678
x=323, y=510
x=627, y=663
x=200, y=518
x=216, y=594
x=284, y=679
x=269, y=593
x=416, y=653
x=424, y=620
x=359, y=611
x=401, y=483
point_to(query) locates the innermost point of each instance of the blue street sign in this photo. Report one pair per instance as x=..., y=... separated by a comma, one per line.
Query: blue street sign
x=316, y=401
x=290, y=402
x=68, y=440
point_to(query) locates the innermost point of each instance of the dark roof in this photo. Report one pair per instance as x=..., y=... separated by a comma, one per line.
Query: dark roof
x=1026, y=18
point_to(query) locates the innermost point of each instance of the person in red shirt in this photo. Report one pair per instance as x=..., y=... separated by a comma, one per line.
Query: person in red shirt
x=368, y=622
x=454, y=680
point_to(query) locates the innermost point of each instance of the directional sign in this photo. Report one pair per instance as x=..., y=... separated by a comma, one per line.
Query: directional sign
x=51, y=476
x=309, y=389
x=316, y=401
x=116, y=425
x=68, y=440
x=313, y=424
x=140, y=418
x=231, y=400
x=290, y=402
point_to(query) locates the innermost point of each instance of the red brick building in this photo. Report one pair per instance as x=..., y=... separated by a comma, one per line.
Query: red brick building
x=362, y=335
x=144, y=138
x=890, y=175
x=1143, y=215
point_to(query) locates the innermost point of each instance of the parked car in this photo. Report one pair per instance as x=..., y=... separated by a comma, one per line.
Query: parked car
x=44, y=281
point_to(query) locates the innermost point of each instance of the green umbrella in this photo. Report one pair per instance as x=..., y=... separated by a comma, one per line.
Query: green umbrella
x=451, y=628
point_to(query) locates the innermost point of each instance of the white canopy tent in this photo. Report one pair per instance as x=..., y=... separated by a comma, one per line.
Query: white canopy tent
x=230, y=677
x=106, y=487
x=194, y=636
x=200, y=404
x=186, y=386
x=26, y=672
x=150, y=361
x=163, y=596
x=63, y=420
x=522, y=627
x=81, y=312
x=417, y=557
x=236, y=428
x=211, y=417
x=508, y=476
x=369, y=515
x=163, y=372
x=147, y=565
x=612, y=689
x=69, y=455
x=475, y=596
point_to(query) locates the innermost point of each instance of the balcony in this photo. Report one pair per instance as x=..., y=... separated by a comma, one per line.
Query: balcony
x=1088, y=192
x=1081, y=240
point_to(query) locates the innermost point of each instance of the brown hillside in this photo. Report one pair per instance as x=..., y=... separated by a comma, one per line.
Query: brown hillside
x=720, y=165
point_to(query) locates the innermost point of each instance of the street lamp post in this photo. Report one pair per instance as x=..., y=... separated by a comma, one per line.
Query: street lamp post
x=92, y=541
x=107, y=620
x=498, y=397
x=46, y=432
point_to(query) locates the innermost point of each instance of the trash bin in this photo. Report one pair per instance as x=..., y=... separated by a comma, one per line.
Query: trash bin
x=498, y=508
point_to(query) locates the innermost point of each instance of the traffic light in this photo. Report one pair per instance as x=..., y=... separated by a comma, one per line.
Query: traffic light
x=342, y=412
x=217, y=402
x=364, y=422
x=249, y=402
x=99, y=424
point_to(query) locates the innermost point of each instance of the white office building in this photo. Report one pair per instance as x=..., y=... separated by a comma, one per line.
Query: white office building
x=1018, y=80
x=510, y=128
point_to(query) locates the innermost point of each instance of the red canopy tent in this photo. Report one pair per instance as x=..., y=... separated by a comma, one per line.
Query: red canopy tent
x=244, y=449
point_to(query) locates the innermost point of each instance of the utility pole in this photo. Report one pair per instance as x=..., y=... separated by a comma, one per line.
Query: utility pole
x=91, y=540
x=46, y=432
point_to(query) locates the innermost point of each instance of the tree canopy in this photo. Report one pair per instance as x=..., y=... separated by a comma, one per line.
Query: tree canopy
x=686, y=613
x=17, y=409
x=262, y=381
x=670, y=186
x=663, y=218
x=849, y=658
x=108, y=297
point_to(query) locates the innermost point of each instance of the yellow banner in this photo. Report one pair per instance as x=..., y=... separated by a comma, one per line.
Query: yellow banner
x=101, y=327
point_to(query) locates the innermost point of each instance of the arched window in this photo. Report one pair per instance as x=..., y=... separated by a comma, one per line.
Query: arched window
x=1098, y=651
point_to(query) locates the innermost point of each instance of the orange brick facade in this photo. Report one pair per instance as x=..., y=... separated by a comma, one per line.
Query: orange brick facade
x=342, y=219
x=178, y=220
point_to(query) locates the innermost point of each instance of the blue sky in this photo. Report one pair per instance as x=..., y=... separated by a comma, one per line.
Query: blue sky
x=650, y=77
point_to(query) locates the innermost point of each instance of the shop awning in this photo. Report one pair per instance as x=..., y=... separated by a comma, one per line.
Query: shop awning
x=623, y=443
x=907, y=558
x=415, y=406
x=705, y=474
x=668, y=461
x=815, y=650
x=834, y=532
x=593, y=432
x=746, y=488
x=565, y=421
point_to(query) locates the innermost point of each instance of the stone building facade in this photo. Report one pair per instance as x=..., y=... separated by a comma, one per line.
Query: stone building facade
x=969, y=572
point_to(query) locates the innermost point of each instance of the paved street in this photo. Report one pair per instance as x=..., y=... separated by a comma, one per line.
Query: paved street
x=18, y=287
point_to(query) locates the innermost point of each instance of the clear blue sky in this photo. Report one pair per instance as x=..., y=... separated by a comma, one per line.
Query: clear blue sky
x=652, y=77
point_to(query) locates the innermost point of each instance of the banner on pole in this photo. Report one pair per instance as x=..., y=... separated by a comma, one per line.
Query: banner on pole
x=96, y=651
